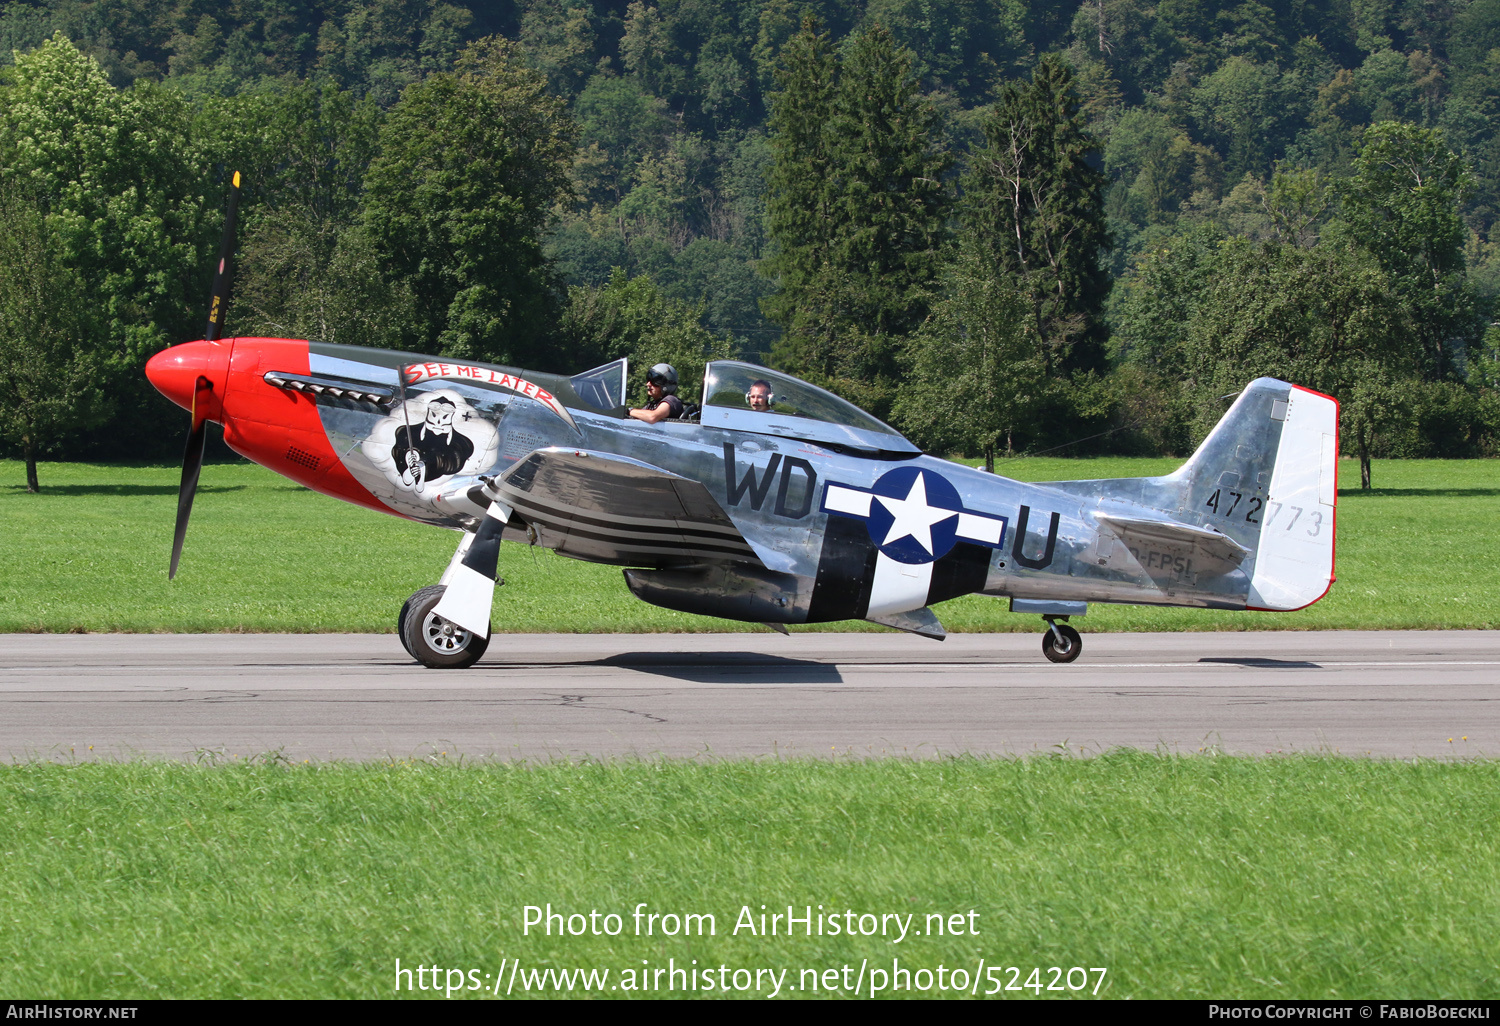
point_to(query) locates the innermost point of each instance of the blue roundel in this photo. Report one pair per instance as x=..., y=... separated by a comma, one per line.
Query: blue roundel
x=914, y=515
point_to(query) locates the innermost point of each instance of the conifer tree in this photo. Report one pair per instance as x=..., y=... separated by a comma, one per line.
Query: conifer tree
x=799, y=196
x=1036, y=205
x=857, y=209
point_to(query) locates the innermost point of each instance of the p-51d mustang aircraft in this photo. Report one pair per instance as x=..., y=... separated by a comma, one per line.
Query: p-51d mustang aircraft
x=808, y=511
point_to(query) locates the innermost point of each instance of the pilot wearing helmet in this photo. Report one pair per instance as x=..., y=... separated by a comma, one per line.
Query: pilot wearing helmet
x=661, y=386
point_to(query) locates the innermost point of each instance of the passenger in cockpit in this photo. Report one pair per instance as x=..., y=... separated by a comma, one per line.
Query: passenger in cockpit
x=759, y=396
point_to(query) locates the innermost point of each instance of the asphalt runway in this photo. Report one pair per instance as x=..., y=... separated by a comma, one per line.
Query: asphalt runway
x=322, y=697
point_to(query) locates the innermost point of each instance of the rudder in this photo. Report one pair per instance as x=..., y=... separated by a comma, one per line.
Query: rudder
x=1294, y=560
x=1275, y=455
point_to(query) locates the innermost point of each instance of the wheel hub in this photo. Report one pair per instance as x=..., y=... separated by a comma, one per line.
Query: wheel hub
x=443, y=636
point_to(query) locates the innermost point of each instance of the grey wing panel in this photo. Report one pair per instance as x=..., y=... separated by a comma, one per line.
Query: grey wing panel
x=612, y=509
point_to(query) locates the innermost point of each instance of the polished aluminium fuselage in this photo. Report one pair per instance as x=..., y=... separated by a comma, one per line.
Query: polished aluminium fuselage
x=774, y=489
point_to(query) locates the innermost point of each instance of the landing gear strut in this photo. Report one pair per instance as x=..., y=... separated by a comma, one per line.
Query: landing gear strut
x=433, y=641
x=1061, y=643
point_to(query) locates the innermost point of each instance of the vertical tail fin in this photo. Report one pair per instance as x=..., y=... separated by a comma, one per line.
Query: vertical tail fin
x=1267, y=476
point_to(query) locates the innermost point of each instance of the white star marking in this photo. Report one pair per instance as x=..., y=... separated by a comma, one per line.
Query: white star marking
x=913, y=516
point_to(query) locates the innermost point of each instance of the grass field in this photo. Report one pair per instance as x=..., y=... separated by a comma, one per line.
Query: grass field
x=1182, y=876
x=90, y=554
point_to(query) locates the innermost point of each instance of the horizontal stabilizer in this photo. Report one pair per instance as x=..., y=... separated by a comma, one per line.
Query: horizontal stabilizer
x=1212, y=552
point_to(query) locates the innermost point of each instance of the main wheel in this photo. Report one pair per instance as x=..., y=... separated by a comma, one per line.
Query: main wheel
x=435, y=642
x=416, y=596
x=1062, y=649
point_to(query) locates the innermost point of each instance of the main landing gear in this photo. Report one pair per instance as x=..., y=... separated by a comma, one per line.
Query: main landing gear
x=1061, y=643
x=433, y=641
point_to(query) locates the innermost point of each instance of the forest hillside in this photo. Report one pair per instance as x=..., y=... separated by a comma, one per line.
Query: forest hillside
x=1000, y=226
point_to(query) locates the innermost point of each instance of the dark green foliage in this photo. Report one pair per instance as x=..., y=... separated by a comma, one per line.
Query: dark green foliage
x=115, y=176
x=718, y=276
x=1010, y=354
x=799, y=208
x=1163, y=292
x=309, y=269
x=1156, y=168
x=976, y=376
x=470, y=165
x=1326, y=318
x=114, y=173
x=1379, y=313
x=1402, y=204
x=316, y=142
x=306, y=277
x=631, y=317
x=377, y=47
x=1213, y=313
x=586, y=254
x=1136, y=48
x=966, y=46
x=53, y=376
x=1446, y=417
x=857, y=208
x=1035, y=205
x=558, y=39
x=620, y=124
x=1248, y=112
x=887, y=197
x=1206, y=112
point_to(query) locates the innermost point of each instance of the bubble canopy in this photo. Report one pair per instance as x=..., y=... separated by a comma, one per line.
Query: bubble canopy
x=798, y=410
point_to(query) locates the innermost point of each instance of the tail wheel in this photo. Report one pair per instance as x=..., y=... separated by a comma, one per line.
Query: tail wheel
x=1061, y=643
x=433, y=641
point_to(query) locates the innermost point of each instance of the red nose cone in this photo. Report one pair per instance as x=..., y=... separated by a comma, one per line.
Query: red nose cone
x=175, y=373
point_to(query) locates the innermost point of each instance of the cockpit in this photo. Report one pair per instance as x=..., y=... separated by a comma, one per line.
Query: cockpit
x=746, y=397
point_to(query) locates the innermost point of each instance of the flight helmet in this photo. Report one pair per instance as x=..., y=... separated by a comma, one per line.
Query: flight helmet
x=663, y=375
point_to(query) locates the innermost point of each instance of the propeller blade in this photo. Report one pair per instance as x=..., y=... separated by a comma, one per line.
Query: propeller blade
x=218, y=304
x=192, y=467
x=224, y=276
x=471, y=583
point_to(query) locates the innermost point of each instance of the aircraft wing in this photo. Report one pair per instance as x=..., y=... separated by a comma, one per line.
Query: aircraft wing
x=1155, y=540
x=612, y=509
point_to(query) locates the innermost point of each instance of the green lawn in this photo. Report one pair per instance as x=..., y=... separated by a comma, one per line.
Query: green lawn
x=90, y=554
x=1200, y=876
x=1197, y=876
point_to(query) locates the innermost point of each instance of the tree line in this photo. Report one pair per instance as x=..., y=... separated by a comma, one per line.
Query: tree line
x=1003, y=227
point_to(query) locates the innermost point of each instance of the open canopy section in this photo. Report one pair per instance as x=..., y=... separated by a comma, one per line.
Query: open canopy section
x=796, y=410
x=603, y=387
